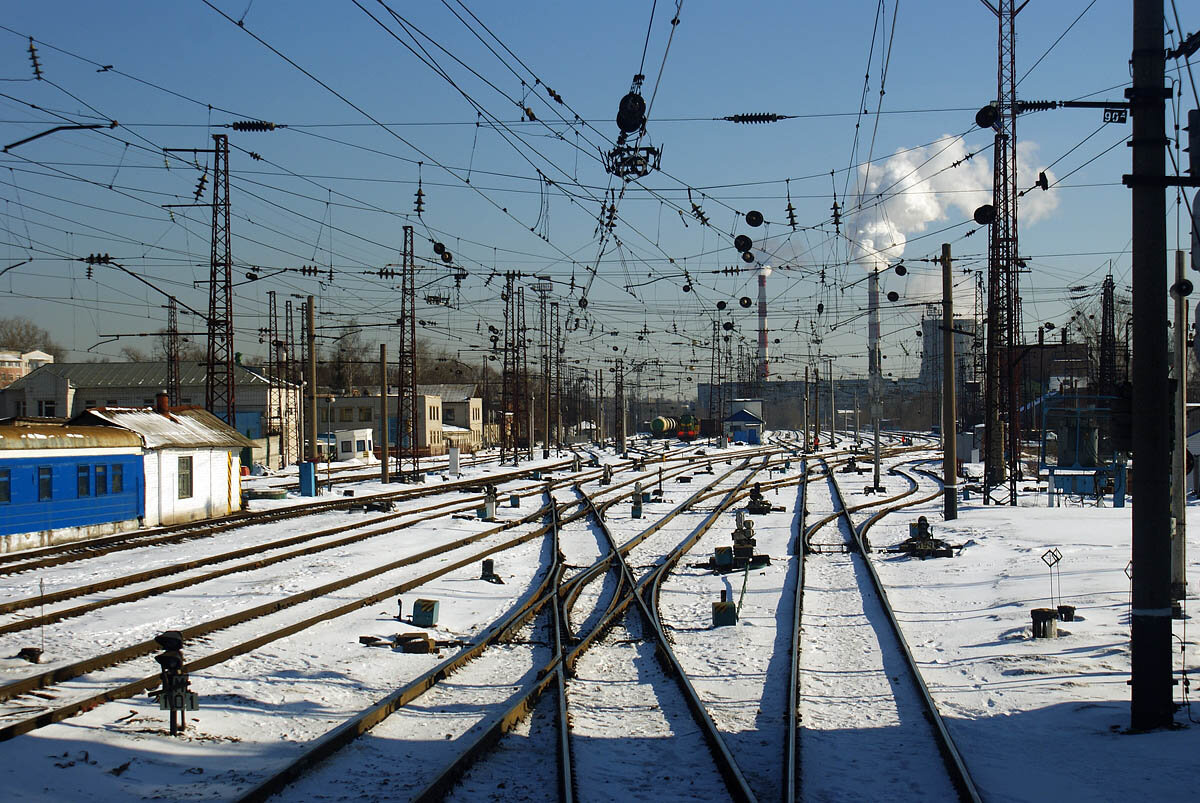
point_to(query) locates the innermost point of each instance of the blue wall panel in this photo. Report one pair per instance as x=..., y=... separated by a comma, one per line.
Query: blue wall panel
x=26, y=513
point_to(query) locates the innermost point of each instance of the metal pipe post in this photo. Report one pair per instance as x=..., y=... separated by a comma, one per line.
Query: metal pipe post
x=383, y=415
x=310, y=319
x=1178, y=463
x=949, y=417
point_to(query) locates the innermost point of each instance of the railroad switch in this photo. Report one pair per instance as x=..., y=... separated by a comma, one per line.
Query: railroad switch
x=174, y=696
x=741, y=555
x=852, y=467
x=921, y=543
x=489, y=572
x=380, y=506
x=31, y=654
x=576, y=463
x=514, y=501
x=488, y=511
x=757, y=504
x=606, y=476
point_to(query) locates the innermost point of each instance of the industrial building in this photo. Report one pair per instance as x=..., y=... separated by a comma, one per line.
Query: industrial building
x=111, y=469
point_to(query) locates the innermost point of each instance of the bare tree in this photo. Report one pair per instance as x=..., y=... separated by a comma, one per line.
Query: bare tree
x=22, y=334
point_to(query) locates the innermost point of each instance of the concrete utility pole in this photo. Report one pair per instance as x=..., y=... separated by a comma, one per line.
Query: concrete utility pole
x=310, y=320
x=1178, y=463
x=875, y=366
x=816, y=406
x=383, y=414
x=1150, y=642
x=949, y=414
x=804, y=421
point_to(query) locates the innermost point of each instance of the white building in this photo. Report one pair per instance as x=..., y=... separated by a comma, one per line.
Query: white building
x=192, y=462
x=16, y=364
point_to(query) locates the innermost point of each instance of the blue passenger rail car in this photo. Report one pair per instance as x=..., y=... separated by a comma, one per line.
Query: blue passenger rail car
x=62, y=483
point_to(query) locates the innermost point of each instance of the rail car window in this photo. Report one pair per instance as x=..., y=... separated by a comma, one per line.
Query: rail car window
x=360, y=446
x=118, y=479
x=83, y=481
x=101, y=480
x=5, y=485
x=45, y=484
x=185, y=478
x=345, y=447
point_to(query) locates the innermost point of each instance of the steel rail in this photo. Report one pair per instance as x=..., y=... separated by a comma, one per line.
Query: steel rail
x=66, y=672
x=346, y=732
x=735, y=781
x=791, y=785
x=171, y=569
x=43, y=557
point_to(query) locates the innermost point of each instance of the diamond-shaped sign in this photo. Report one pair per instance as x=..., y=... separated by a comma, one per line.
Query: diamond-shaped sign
x=1051, y=557
x=1129, y=570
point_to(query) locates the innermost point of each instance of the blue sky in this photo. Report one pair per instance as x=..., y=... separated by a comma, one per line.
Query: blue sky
x=334, y=188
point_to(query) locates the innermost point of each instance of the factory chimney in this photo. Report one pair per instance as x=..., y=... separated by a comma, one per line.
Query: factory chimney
x=763, y=371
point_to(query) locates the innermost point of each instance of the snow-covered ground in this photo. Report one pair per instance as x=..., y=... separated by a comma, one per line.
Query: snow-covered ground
x=1034, y=719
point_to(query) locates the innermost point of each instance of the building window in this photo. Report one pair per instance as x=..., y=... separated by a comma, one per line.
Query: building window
x=45, y=484
x=364, y=413
x=83, y=481
x=323, y=415
x=346, y=414
x=21, y=408
x=185, y=478
x=360, y=446
x=450, y=414
x=5, y=486
x=345, y=446
x=47, y=408
x=101, y=480
x=110, y=403
x=90, y=403
x=118, y=479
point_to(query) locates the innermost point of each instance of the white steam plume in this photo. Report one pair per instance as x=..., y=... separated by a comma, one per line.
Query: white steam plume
x=929, y=185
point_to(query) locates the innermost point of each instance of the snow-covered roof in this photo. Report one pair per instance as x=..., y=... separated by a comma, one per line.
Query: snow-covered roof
x=150, y=375
x=743, y=417
x=45, y=435
x=448, y=392
x=180, y=427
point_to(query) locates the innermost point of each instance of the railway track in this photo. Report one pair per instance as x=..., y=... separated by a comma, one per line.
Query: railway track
x=559, y=641
x=17, y=692
x=553, y=605
x=848, y=631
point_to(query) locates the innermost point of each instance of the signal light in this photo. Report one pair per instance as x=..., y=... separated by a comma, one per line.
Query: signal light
x=743, y=243
x=987, y=116
x=901, y=270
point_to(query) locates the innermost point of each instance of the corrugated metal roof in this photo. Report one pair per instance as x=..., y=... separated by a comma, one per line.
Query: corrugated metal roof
x=181, y=427
x=451, y=392
x=62, y=436
x=150, y=375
